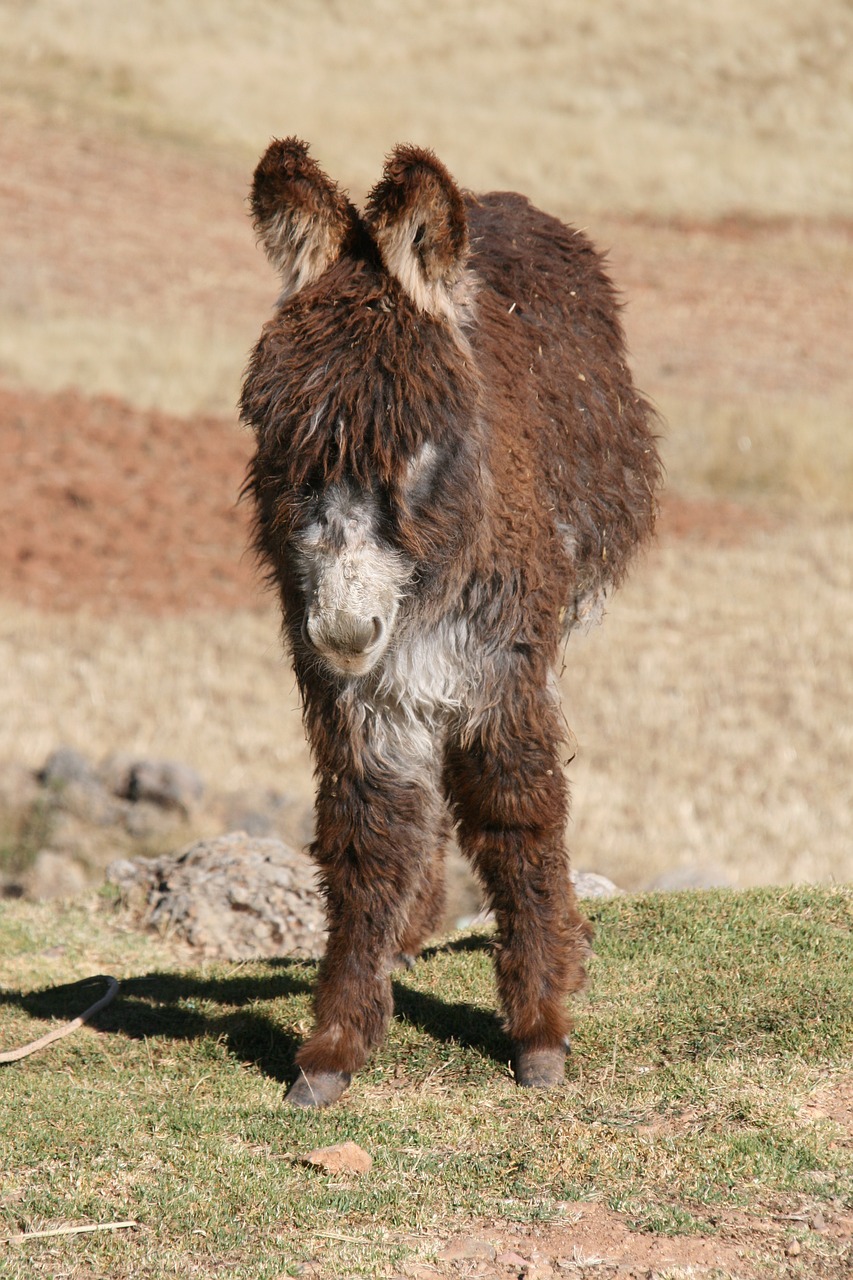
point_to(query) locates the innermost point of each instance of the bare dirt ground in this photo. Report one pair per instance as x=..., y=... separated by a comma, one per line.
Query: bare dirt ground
x=114, y=509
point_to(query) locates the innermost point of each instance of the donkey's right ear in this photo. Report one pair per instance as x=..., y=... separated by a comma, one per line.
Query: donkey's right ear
x=300, y=215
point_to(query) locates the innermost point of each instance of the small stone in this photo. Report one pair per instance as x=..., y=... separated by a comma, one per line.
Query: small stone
x=817, y=1222
x=343, y=1157
x=466, y=1248
x=509, y=1258
x=793, y=1249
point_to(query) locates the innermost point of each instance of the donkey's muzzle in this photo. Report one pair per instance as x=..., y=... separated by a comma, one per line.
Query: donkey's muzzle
x=348, y=642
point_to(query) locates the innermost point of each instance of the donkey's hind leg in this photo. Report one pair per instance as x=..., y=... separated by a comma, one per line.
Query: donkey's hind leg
x=427, y=908
x=510, y=800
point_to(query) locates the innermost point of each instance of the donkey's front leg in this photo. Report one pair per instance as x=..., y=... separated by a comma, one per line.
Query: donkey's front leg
x=373, y=831
x=510, y=800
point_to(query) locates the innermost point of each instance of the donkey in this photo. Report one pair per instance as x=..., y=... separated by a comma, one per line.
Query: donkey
x=452, y=466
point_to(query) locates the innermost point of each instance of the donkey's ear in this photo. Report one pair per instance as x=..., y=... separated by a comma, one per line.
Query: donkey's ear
x=300, y=216
x=416, y=216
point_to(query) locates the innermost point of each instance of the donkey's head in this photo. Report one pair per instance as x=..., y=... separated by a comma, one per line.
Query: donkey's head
x=364, y=402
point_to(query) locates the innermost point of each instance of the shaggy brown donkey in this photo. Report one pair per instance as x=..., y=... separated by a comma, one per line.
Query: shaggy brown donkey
x=452, y=466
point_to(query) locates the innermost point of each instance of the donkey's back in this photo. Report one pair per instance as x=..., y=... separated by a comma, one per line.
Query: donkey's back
x=570, y=428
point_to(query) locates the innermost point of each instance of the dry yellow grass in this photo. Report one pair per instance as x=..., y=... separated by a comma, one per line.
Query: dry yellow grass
x=673, y=105
x=711, y=711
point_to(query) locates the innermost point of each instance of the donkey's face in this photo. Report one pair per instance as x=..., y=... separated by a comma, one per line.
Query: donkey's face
x=363, y=399
x=352, y=580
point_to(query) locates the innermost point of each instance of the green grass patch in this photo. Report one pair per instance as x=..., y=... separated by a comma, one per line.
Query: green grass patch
x=710, y=1019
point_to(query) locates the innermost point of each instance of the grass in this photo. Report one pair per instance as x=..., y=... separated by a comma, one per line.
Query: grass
x=711, y=1021
x=23, y=834
x=783, y=453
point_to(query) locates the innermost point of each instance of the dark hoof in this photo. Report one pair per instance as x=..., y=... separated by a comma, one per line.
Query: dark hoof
x=539, y=1068
x=319, y=1089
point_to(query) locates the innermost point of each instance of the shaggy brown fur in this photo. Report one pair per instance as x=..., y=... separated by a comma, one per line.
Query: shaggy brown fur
x=444, y=415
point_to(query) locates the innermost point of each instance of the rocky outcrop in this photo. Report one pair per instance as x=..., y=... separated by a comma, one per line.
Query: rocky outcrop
x=232, y=898
x=61, y=825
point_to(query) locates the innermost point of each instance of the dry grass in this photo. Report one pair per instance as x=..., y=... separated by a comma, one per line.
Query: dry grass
x=186, y=364
x=794, y=454
x=677, y=106
x=709, y=710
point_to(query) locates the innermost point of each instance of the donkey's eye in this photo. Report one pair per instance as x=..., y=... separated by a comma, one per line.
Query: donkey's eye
x=420, y=473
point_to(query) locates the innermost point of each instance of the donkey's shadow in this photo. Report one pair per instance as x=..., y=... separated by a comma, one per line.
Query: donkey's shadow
x=177, y=1006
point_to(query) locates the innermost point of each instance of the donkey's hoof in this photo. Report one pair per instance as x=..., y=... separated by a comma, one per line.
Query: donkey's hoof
x=317, y=1089
x=539, y=1068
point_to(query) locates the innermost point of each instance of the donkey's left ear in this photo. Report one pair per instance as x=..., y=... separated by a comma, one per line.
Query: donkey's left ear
x=416, y=216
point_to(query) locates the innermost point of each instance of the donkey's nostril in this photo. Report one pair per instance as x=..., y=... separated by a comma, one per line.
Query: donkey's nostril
x=362, y=635
x=378, y=632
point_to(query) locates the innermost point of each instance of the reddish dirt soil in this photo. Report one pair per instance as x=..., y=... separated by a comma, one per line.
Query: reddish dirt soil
x=111, y=508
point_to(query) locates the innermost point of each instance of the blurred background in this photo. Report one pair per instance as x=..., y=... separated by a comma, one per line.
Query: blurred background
x=707, y=147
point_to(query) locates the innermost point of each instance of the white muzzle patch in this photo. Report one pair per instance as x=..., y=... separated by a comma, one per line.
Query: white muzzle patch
x=353, y=582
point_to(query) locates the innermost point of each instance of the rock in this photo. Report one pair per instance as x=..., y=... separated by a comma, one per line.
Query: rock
x=167, y=783
x=114, y=772
x=232, y=897
x=793, y=1249
x=344, y=1157
x=146, y=821
x=509, y=1258
x=467, y=1248
x=54, y=875
x=588, y=884
x=677, y=879
x=65, y=765
x=88, y=800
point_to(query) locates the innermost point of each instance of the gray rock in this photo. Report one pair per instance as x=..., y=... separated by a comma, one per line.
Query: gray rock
x=233, y=897
x=589, y=884
x=167, y=783
x=115, y=771
x=65, y=765
x=268, y=813
x=88, y=800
